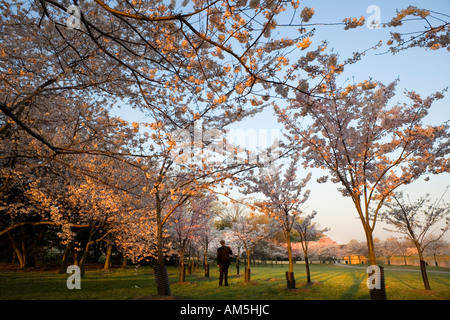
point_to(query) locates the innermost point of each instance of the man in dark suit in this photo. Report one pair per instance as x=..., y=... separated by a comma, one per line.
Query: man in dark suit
x=223, y=262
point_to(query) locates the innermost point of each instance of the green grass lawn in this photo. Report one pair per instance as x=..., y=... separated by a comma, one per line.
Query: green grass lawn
x=330, y=282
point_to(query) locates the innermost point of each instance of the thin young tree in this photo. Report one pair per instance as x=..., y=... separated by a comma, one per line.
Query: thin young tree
x=389, y=248
x=438, y=247
x=405, y=249
x=418, y=220
x=308, y=231
x=188, y=224
x=250, y=231
x=284, y=196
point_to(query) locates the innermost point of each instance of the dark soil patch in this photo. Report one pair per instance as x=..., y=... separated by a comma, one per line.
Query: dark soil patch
x=425, y=292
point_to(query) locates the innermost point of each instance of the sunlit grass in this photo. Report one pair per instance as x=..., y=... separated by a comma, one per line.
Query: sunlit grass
x=330, y=282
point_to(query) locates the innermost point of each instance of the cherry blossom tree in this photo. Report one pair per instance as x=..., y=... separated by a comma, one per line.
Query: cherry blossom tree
x=178, y=62
x=250, y=231
x=437, y=247
x=214, y=60
x=58, y=199
x=49, y=122
x=324, y=249
x=181, y=174
x=79, y=201
x=167, y=64
x=20, y=218
x=49, y=86
x=416, y=220
x=188, y=225
x=308, y=231
x=230, y=214
x=354, y=247
x=426, y=29
x=405, y=249
x=367, y=146
x=284, y=195
x=208, y=233
x=389, y=248
x=433, y=34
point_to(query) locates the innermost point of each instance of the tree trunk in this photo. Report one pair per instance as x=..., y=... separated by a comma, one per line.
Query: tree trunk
x=247, y=274
x=19, y=250
x=182, y=267
x=375, y=294
x=290, y=275
x=108, y=255
x=247, y=268
x=237, y=260
x=289, y=249
x=207, y=270
x=189, y=265
x=308, y=275
x=197, y=260
x=86, y=250
x=370, y=247
x=182, y=276
x=75, y=258
x=379, y=294
x=423, y=270
x=65, y=259
x=162, y=279
x=290, y=280
x=161, y=276
x=205, y=263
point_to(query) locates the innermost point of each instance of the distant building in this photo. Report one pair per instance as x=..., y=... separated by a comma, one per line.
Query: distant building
x=355, y=259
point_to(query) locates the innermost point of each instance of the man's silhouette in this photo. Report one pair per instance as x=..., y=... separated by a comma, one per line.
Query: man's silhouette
x=223, y=262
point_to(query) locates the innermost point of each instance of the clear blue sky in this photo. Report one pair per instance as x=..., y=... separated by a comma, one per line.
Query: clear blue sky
x=418, y=69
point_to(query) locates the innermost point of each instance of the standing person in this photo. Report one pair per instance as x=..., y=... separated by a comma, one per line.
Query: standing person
x=223, y=262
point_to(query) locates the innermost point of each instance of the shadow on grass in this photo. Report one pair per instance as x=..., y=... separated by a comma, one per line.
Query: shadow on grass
x=400, y=280
x=323, y=278
x=441, y=281
x=352, y=291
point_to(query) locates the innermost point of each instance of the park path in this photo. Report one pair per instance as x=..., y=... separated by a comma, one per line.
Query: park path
x=394, y=269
